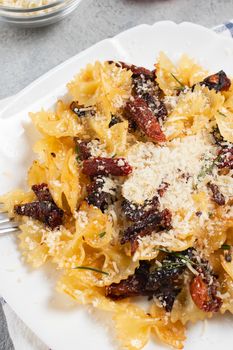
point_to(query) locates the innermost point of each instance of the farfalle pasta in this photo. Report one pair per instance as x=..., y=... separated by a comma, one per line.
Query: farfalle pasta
x=131, y=195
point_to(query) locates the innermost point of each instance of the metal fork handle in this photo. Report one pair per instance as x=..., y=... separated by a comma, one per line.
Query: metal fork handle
x=8, y=229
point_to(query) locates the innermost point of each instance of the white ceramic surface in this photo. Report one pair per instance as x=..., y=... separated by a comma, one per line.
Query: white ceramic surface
x=60, y=323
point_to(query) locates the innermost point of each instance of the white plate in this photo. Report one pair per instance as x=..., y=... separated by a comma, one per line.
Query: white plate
x=54, y=318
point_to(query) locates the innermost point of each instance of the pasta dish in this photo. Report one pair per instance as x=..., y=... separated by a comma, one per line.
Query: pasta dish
x=130, y=196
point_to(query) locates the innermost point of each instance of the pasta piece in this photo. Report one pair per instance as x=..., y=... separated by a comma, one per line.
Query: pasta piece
x=59, y=170
x=189, y=71
x=172, y=334
x=133, y=327
x=60, y=123
x=102, y=84
x=185, y=310
x=13, y=198
x=225, y=124
x=193, y=111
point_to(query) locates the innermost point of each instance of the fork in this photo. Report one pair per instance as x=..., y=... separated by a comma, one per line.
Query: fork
x=7, y=225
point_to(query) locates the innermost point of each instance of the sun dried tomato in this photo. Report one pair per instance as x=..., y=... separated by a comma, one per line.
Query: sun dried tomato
x=44, y=210
x=97, y=196
x=135, y=212
x=138, y=111
x=82, y=149
x=106, y=166
x=217, y=196
x=154, y=221
x=225, y=158
x=163, y=282
x=218, y=81
x=42, y=192
x=132, y=286
x=156, y=105
x=204, y=295
x=135, y=69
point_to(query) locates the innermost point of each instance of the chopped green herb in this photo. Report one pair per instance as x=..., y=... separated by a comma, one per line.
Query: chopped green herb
x=114, y=155
x=181, y=87
x=224, y=115
x=102, y=234
x=225, y=247
x=207, y=170
x=178, y=255
x=210, y=215
x=77, y=154
x=91, y=269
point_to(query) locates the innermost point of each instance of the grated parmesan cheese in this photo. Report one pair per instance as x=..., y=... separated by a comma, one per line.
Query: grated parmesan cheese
x=25, y=3
x=182, y=163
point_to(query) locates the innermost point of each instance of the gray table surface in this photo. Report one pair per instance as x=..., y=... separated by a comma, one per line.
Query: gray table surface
x=25, y=54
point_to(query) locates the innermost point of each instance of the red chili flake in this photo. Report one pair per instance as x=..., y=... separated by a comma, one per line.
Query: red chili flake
x=218, y=81
x=217, y=196
x=204, y=294
x=106, y=166
x=138, y=111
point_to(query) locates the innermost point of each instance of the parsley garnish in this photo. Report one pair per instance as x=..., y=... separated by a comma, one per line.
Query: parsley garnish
x=91, y=269
x=181, y=87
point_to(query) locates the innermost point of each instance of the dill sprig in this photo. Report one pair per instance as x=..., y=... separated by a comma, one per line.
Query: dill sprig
x=181, y=87
x=184, y=260
x=102, y=234
x=224, y=115
x=91, y=269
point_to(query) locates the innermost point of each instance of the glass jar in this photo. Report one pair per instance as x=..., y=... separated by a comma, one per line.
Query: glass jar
x=38, y=16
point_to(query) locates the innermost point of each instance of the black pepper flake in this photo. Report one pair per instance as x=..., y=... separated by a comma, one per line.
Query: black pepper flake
x=114, y=120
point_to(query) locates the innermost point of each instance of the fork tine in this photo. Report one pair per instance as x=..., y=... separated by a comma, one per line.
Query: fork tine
x=3, y=221
x=8, y=229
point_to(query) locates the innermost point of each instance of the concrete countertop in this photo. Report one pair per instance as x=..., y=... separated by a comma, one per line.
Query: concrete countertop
x=25, y=54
